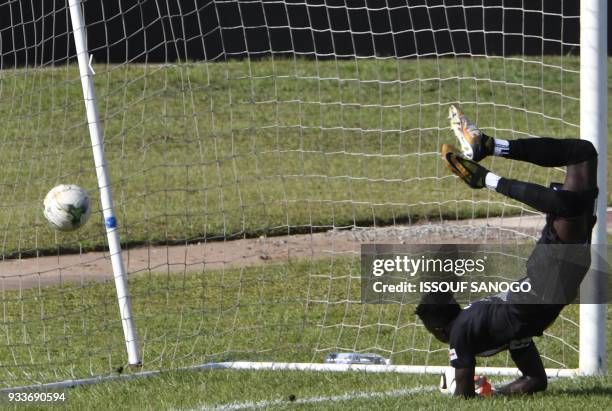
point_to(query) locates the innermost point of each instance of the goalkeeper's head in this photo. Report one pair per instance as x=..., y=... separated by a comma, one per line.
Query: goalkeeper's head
x=438, y=313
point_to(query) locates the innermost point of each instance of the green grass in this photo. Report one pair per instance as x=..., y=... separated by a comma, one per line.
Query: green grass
x=295, y=312
x=243, y=148
x=210, y=388
x=207, y=150
x=296, y=390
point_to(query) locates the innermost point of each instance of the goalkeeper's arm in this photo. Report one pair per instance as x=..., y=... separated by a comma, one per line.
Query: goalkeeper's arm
x=530, y=365
x=464, y=380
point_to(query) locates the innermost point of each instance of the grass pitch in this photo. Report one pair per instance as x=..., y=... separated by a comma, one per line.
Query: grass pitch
x=326, y=391
x=244, y=148
x=279, y=312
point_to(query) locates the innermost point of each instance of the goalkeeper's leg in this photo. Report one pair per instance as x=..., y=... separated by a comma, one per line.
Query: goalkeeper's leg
x=546, y=151
x=579, y=156
x=573, y=199
x=542, y=151
x=579, y=189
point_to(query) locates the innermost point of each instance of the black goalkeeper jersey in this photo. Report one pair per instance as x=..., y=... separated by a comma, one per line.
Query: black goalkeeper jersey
x=509, y=320
x=484, y=328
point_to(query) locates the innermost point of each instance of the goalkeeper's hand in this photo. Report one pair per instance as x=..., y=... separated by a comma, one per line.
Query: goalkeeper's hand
x=448, y=384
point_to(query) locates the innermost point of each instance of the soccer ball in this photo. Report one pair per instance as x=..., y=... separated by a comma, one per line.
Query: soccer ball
x=67, y=207
x=448, y=385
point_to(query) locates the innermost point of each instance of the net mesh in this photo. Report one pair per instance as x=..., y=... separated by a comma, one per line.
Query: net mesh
x=252, y=147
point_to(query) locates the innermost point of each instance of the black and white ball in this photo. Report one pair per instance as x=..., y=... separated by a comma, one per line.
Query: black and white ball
x=448, y=385
x=67, y=207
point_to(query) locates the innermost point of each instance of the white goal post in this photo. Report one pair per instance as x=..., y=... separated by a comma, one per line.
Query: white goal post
x=106, y=198
x=594, y=127
x=251, y=148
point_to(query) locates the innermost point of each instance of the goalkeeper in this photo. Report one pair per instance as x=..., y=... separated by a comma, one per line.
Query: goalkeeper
x=508, y=321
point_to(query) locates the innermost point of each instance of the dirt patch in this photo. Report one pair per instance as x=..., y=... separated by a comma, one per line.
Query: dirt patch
x=96, y=266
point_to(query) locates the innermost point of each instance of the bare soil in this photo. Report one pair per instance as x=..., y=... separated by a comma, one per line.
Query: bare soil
x=95, y=266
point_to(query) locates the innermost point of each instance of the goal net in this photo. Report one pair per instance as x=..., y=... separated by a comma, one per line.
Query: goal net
x=252, y=148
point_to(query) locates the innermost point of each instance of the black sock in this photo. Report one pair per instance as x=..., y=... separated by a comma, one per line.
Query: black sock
x=547, y=200
x=551, y=152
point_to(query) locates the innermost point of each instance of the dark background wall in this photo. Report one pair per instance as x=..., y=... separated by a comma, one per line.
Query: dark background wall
x=37, y=32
